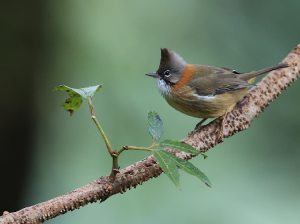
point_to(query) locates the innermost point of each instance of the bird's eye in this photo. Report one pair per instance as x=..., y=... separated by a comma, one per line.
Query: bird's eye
x=167, y=73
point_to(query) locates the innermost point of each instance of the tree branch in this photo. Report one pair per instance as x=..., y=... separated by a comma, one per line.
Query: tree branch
x=240, y=118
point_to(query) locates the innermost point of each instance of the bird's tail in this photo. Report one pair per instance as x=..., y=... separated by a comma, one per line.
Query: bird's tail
x=250, y=75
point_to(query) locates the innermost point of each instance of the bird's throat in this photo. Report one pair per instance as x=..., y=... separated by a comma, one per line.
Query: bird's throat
x=163, y=88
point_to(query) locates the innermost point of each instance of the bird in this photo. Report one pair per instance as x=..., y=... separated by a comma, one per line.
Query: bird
x=202, y=91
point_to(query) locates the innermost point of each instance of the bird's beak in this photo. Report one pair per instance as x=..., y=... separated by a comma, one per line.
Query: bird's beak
x=152, y=74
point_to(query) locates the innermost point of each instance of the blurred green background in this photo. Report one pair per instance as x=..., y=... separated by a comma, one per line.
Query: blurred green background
x=46, y=153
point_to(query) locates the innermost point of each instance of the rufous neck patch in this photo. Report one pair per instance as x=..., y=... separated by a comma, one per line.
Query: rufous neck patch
x=187, y=75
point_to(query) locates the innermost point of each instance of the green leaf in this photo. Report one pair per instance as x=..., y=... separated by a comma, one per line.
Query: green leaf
x=181, y=146
x=155, y=125
x=72, y=103
x=90, y=91
x=187, y=167
x=168, y=166
x=75, y=100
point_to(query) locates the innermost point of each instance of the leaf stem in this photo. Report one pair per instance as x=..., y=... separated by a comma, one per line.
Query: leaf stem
x=110, y=150
x=139, y=148
x=126, y=147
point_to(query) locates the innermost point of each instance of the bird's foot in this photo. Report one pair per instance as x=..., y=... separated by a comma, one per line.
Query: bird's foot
x=198, y=127
x=219, y=131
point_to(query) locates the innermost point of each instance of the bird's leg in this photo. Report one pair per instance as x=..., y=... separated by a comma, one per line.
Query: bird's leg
x=198, y=126
x=221, y=126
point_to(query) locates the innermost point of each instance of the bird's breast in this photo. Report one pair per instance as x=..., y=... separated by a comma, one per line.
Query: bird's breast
x=185, y=100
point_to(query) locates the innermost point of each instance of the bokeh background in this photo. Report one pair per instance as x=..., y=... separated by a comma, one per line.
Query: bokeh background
x=46, y=153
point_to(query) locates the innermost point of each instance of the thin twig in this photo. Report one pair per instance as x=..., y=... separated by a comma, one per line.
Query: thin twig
x=109, y=148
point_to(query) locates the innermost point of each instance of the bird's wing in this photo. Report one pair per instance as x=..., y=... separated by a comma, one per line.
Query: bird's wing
x=231, y=85
x=218, y=82
x=232, y=71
